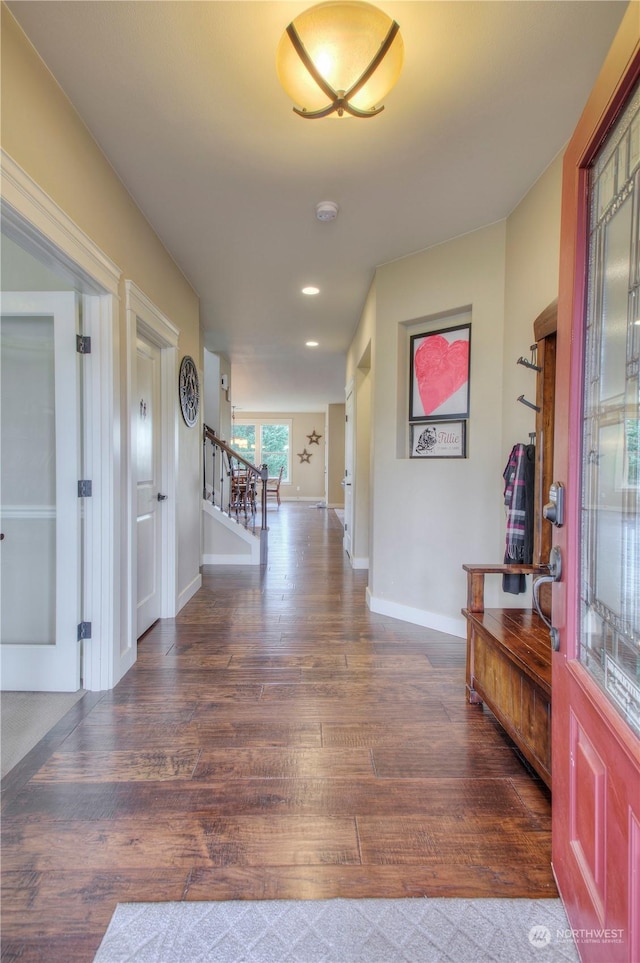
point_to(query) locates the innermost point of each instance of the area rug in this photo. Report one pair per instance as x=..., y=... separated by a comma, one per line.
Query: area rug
x=340, y=931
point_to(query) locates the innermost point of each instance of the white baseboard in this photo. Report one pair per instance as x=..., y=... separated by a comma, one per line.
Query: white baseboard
x=357, y=562
x=188, y=592
x=407, y=613
x=231, y=559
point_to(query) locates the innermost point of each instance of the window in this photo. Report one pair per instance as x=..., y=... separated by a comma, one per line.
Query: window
x=264, y=442
x=610, y=523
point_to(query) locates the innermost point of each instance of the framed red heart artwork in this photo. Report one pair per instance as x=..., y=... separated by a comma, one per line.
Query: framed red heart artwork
x=439, y=374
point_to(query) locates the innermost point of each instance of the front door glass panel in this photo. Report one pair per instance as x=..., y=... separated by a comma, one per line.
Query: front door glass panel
x=609, y=641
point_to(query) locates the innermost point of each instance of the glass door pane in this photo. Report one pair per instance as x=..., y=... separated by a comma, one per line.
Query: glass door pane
x=40, y=508
x=28, y=480
x=610, y=527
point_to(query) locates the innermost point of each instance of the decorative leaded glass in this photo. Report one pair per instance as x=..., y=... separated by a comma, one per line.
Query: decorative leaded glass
x=609, y=644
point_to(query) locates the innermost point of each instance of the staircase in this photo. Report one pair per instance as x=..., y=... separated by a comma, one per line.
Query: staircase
x=234, y=492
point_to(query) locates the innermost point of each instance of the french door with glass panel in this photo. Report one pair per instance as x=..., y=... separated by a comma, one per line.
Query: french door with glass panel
x=40, y=510
x=596, y=605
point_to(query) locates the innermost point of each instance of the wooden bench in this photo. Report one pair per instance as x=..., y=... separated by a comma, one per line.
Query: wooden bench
x=509, y=650
x=509, y=666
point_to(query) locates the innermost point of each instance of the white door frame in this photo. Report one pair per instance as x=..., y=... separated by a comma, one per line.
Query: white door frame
x=33, y=219
x=144, y=318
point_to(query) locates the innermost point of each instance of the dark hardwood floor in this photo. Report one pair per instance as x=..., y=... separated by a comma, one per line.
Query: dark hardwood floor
x=276, y=740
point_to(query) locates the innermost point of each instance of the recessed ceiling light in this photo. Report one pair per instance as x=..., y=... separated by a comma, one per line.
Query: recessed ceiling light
x=311, y=289
x=311, y=344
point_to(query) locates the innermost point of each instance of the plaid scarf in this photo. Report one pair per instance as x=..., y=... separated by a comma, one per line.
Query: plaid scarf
x=519, y=500
x=515, y=499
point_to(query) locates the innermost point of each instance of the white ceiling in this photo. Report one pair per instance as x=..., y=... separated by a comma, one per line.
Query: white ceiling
x=184, y=100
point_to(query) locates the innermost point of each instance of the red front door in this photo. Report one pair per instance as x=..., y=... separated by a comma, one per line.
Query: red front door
x=596, y=605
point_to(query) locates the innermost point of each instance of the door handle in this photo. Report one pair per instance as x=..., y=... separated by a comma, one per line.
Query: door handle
x=161, y=498
x=555, y=574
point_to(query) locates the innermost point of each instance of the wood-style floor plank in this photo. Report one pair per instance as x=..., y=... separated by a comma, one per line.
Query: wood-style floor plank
x=434, y=798
x=275, y=741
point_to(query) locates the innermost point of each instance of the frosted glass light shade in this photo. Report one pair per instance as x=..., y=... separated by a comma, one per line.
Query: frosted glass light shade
x=341, y=39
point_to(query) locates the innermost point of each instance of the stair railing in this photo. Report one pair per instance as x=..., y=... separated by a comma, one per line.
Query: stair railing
x=222, y=463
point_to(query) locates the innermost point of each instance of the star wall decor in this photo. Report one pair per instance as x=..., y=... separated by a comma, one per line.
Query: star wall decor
x=314, y=438
x=304, y=456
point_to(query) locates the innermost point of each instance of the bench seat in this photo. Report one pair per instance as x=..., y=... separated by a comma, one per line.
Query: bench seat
x=509, y=668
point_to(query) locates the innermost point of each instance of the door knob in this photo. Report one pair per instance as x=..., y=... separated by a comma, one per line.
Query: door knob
x=161, y=498
x=555, y=574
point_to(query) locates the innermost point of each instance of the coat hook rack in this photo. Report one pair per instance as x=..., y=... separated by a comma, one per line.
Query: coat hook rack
x=530, y=364
x=529, y=404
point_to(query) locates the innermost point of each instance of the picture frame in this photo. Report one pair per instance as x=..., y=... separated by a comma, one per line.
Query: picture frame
x=439, y=439
x=439, y=374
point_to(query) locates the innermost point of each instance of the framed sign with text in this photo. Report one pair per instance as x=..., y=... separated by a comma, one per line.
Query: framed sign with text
x=439, y=439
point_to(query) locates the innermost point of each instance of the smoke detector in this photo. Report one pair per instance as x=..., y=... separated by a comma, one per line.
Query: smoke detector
x=327, y=211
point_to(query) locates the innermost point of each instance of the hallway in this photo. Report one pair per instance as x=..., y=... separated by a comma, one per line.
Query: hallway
x=276, y=740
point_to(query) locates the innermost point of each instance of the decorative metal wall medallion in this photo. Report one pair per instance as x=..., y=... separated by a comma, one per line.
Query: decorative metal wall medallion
x=189, y=389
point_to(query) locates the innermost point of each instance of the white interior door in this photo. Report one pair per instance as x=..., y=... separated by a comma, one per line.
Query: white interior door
x=347, y=481
x=40, y=510
x=147, y=421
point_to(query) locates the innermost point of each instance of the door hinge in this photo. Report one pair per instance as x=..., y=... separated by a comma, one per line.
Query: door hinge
x=84, y=631
x=83, y=344
x=84, y=488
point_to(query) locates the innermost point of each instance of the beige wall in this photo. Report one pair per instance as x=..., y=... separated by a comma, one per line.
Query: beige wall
x=433, y=516
x=307, y=481
x=363, y=343
x=533, y=252
x=361, y=373
x=44, y=135
x=362, y=484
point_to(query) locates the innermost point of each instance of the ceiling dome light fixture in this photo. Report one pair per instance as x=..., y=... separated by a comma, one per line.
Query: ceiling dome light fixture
x=345, y=50
x=310, y=290
x=311, y=344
